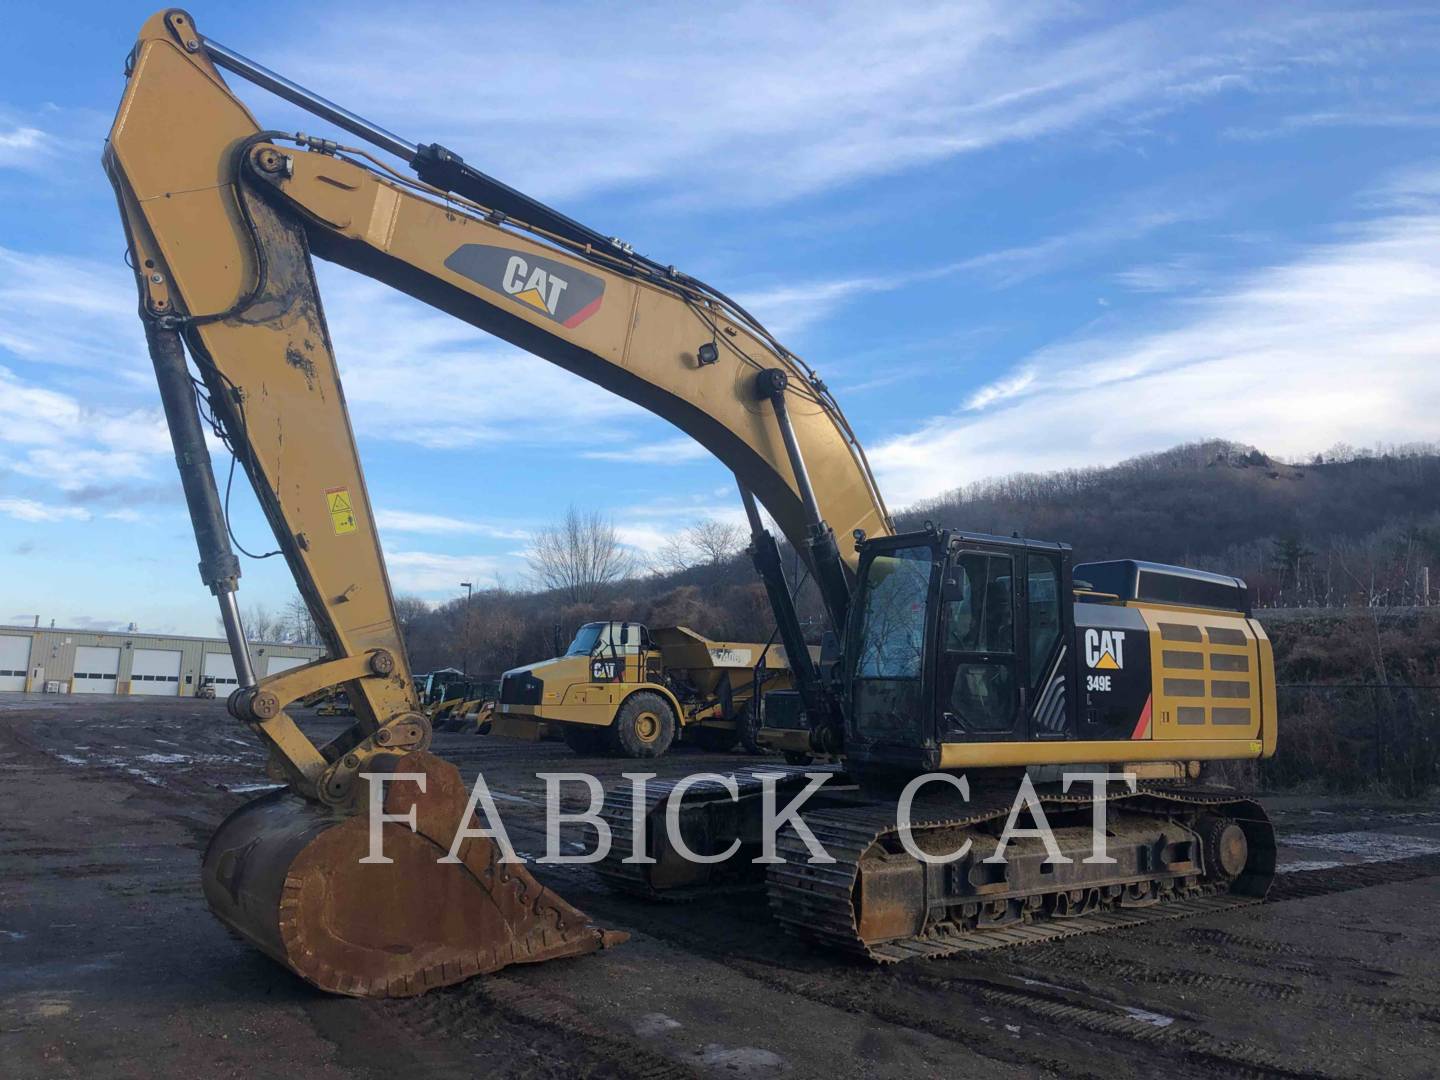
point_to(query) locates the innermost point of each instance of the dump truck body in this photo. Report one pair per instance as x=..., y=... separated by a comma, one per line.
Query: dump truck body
x=704, y=685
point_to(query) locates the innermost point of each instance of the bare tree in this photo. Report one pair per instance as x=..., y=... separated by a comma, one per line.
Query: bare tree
x=261, y=625
x=296, y=625
x=579, y=556
x=674, y=556
x=715, y=541
x=706, y=543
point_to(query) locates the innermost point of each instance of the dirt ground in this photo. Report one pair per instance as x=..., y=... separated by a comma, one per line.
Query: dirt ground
x=110, y=966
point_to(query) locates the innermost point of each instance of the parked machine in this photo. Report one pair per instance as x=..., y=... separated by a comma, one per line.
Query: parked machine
x=625, y=689
x=948, y=651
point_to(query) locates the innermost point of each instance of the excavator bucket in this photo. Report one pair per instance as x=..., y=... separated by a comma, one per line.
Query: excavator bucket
x=286, y=874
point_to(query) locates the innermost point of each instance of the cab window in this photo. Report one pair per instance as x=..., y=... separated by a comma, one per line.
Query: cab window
x=1042, y=612
x=978, y=684
x=893, y=604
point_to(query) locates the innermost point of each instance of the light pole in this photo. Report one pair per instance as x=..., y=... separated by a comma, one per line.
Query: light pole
x=465, y=656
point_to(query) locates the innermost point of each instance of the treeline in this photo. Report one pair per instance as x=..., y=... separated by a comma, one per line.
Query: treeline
x=1345, y=528
x=1359, y=702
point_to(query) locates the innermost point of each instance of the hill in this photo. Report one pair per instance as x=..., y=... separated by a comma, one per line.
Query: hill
x=1346, y=527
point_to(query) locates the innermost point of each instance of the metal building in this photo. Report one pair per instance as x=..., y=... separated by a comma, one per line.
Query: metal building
x=60, y=661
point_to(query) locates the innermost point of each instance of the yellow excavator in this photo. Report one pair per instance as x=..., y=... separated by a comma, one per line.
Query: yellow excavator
x=949, y=651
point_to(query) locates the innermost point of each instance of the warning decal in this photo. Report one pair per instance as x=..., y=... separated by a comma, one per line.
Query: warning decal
x=342, y=514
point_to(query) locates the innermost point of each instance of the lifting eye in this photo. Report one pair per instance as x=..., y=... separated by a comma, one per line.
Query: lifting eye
x=707, y=354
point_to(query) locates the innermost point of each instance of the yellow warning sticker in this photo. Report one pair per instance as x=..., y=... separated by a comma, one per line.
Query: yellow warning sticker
x=342, y=513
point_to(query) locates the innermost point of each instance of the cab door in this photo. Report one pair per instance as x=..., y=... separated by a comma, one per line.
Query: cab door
x=980, y=685
x=1048, y=614
x=617, y=656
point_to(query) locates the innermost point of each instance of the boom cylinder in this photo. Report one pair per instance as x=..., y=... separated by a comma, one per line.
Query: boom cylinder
x=219, y=568
x=824, y=552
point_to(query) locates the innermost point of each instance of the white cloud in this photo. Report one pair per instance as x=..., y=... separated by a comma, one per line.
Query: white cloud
x=408, y=521
x=1008, y=387
x=416, y=375
x=1338, y=344
x=759, y=102
x=665, y=452
x=71, y=445
x=789, y=308
x=432, y=572
x=1357, y=118
x=21, y=146
x=71, y=312
x=32, y=511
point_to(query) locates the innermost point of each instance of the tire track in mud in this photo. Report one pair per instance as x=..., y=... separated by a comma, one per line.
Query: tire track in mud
x=780, y=962
x=761, y=956
x=451, y=1028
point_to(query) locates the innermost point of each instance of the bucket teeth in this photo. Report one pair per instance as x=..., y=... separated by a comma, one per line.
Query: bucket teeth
x=286, y=874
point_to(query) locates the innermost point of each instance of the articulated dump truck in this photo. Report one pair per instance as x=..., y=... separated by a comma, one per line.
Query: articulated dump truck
x=622, y=688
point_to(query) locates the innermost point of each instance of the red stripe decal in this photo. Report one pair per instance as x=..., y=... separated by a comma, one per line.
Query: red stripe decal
x=1142, y=729
x=584, y=313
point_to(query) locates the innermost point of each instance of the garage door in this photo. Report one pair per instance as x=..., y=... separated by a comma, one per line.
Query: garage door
x=14, y=660
x=95, y=669
x=219, y=671
x=276, y=664
x=155, y=672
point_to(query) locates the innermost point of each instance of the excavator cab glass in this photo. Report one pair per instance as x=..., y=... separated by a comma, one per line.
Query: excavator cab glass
x=891, y=630
x=977, y=683
x=951, y=639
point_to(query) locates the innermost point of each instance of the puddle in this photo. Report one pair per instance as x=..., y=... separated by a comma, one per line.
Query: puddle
x=653, y=1024
x=1370, y=846
x=242, y=789
x=1145, y=1016
x=739, y=1060
x=1298, y=865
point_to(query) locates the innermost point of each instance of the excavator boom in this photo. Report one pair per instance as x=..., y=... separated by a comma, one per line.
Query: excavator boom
x=222, y=218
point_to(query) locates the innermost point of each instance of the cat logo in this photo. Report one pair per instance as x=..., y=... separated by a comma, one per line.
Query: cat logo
x=1105, y=649
x=560, y=292
x=534, y=287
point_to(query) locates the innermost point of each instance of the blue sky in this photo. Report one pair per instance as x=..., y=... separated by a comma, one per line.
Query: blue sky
x=1010, y=236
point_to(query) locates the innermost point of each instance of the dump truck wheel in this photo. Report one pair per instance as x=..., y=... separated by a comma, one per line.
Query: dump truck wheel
x=644, y=727
x=586, y=739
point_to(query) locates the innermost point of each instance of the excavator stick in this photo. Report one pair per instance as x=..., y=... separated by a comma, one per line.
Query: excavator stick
x=288, y=875
x=224, y=275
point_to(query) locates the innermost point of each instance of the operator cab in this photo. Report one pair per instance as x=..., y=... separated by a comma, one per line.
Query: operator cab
x=957, y=637
x=609, y=639
x=617, y=650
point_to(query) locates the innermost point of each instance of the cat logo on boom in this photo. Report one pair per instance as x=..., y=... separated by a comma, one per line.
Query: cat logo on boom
x=559, y=291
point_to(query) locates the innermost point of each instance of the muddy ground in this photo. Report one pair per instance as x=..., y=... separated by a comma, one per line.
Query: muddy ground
x=111, y=966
